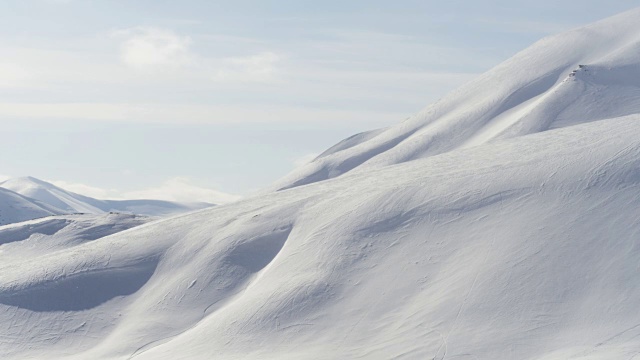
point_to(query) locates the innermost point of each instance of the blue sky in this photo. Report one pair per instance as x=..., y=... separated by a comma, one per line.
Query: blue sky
x=190, y=100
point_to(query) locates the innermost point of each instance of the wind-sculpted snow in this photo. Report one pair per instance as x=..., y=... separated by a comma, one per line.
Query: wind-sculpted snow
x=81, y=291
x=47, y=227
x=519, y=249
x=25, y=240
x=588, y=74
x=501, y=223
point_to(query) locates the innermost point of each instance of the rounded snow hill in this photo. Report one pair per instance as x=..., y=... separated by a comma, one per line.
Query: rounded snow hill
x=28, y=239
x=16, y=208
x=70, y=202
x=587, y=74
x=517, y=247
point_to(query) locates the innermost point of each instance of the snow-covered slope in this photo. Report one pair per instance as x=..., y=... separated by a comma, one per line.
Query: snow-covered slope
x=15, y=208
x=75, y=203
x=583, y=75
x=521, y=247
x=29, y=239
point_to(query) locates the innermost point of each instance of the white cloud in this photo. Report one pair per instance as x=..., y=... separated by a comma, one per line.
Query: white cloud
x=149, y=47
x=86, y=190
x=181, y=189
x=194, y=114
x=4, y=177
x=153, y=49
x=13, y=75
x=523, y=26
x=254, y=68
x=321, y=87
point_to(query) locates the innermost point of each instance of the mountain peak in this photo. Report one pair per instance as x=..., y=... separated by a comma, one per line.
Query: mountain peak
x=63, y=201
x=26, y=182
x=507, y=228
x=48, y=193
x=16, y=208
x=526, y=94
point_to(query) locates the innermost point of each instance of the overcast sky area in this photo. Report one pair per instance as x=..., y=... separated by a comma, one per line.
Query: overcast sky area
x=192, y=100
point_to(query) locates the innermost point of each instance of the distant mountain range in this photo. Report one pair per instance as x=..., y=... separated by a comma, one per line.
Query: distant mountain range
x=17, y=208
x=27, y=198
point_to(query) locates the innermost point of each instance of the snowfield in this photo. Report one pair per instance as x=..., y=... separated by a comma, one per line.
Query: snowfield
x=502, y=222
x=15, y=208
x=25, y=240
x=588, y=74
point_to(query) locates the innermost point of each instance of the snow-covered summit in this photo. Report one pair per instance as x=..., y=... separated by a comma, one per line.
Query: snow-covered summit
x=458, y=238
x=48, y=193
x=71, y=202
x=15, y=208
x=587, y=74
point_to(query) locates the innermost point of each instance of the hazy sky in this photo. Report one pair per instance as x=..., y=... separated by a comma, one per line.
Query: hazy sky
x=185, y=99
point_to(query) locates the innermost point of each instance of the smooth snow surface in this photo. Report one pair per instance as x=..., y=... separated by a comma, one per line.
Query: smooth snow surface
x=584, y=75
x=75, y=203
x=461, y=239
x=15, y=208
x=25, y=240
x=524, y=249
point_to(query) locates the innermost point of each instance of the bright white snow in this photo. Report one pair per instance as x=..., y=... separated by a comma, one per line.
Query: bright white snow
x=26, y=240
x=501, y=223
x=15, y=208
x=69, y=202
x=587, y=74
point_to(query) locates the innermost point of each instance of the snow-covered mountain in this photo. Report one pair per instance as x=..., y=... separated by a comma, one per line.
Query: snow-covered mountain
x=584, y=75
x=15, y=208
x=70, y=202
x=500, y=224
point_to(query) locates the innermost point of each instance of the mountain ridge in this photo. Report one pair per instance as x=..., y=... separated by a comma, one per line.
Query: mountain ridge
x=542, y=87
x=431, y=259
x=71, y=202
x=16, y=208
x=509, y=247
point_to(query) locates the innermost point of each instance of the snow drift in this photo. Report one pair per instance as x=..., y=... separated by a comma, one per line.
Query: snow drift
x=466, y=232
x=58, y=232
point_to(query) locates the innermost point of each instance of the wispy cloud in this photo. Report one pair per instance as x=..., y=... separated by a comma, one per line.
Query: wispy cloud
x=523, y=26
x=158, y=50
x=87, y=190
x=192, y=114
x=149, y=47
x=350, y=49
x=261, y=67
x=224, y=79
x=13, y=75
x=180, y=189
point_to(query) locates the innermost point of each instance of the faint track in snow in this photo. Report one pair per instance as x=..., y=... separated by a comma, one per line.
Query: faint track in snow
x=466, y=298
x=607, y=341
